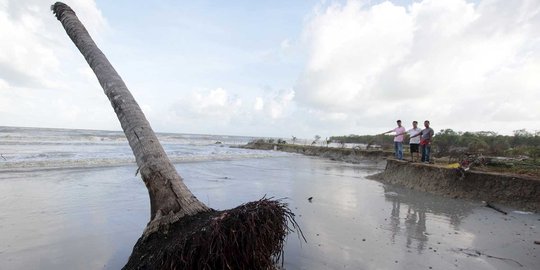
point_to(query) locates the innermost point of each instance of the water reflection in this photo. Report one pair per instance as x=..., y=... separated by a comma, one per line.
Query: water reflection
x=415, y=226
x=394, y=220
x=416, y=206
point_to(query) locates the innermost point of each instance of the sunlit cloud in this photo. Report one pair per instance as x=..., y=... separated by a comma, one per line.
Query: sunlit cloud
x=459, y=63
x=338, y=67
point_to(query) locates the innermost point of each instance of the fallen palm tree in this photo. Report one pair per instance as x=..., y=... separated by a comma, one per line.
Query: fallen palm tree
x=183, y=233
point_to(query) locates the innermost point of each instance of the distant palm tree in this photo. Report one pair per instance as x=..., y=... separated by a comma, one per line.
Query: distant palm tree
x=316, y=139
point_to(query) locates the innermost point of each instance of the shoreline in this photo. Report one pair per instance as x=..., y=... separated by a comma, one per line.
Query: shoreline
x=518, y=191
x=348, y=155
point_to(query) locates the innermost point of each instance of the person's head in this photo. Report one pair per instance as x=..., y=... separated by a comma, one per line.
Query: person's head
x=426, y=123
x=398, y=123
x=414, y=124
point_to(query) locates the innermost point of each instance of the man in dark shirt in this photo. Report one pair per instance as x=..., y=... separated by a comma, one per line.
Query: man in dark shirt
x=425, y=141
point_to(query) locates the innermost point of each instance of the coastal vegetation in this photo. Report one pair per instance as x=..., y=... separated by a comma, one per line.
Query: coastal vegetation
x=516, y=153
x=448, y=141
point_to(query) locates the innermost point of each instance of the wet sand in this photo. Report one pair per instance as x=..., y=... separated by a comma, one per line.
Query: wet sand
x=91, y=218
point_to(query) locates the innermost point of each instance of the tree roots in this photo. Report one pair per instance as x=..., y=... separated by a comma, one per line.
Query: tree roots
x=250, y=236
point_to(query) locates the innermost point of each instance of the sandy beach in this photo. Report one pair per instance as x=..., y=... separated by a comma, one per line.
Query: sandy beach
x=91, y=218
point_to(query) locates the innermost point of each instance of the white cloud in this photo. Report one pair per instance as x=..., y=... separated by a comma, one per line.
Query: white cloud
x=279, y=105
x=215, y=106
x=3, y=84
x=461, y=64
x=464, y=65
x=219, y=110
x=259, y=104
x=276, y=105
x=285, y=44
x=25, y=58
x=30, y=50
x=45, y=81
x=350, y=46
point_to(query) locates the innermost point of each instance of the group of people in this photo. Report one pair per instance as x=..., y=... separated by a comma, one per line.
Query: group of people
x=419, y=140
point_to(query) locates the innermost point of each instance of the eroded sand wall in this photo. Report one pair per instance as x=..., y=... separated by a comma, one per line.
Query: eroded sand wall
x=512, y=190
x=518, y=191
x=339, y=154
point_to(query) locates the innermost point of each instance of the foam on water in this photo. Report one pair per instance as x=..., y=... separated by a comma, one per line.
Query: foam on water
x=43, y=148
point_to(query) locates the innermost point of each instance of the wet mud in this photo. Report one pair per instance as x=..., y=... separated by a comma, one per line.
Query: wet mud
x=518, y=191
x=91, y=218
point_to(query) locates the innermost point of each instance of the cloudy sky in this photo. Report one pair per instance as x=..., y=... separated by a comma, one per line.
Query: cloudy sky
x=279, y=68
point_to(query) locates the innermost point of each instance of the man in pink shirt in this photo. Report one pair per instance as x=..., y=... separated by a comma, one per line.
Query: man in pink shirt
x=398, y=140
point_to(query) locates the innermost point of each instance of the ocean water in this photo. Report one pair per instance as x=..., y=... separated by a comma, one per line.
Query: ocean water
x=69, y=199
x=39, y=148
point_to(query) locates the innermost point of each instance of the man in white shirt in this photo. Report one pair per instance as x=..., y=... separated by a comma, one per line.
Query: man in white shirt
x=414, y=141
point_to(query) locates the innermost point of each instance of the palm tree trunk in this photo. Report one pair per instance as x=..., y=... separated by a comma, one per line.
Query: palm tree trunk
x=170, y=199
x=185, y=233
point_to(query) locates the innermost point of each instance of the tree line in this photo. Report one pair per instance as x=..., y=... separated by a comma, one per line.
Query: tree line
x=448, y=141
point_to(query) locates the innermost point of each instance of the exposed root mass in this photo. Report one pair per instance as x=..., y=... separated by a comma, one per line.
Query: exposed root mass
x=250, y=236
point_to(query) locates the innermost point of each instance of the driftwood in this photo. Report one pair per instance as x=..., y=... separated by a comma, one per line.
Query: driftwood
x=477, y=253
x=492, y=206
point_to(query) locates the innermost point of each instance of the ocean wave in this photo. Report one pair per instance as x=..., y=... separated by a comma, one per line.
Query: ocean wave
x=18, y=135
x=121, y=161
x=45, y=148
x=34, y=142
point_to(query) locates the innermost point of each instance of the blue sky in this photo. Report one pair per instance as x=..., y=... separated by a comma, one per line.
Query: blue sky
x=279, y=68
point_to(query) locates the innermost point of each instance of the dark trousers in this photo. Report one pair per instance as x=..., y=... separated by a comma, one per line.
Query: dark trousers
x=426, y=149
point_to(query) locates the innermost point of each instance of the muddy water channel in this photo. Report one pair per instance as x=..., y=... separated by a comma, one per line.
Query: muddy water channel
x=91, y=218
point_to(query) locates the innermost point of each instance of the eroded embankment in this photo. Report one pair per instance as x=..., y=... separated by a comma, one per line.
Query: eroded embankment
x=338, y=154
x=513, y=190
